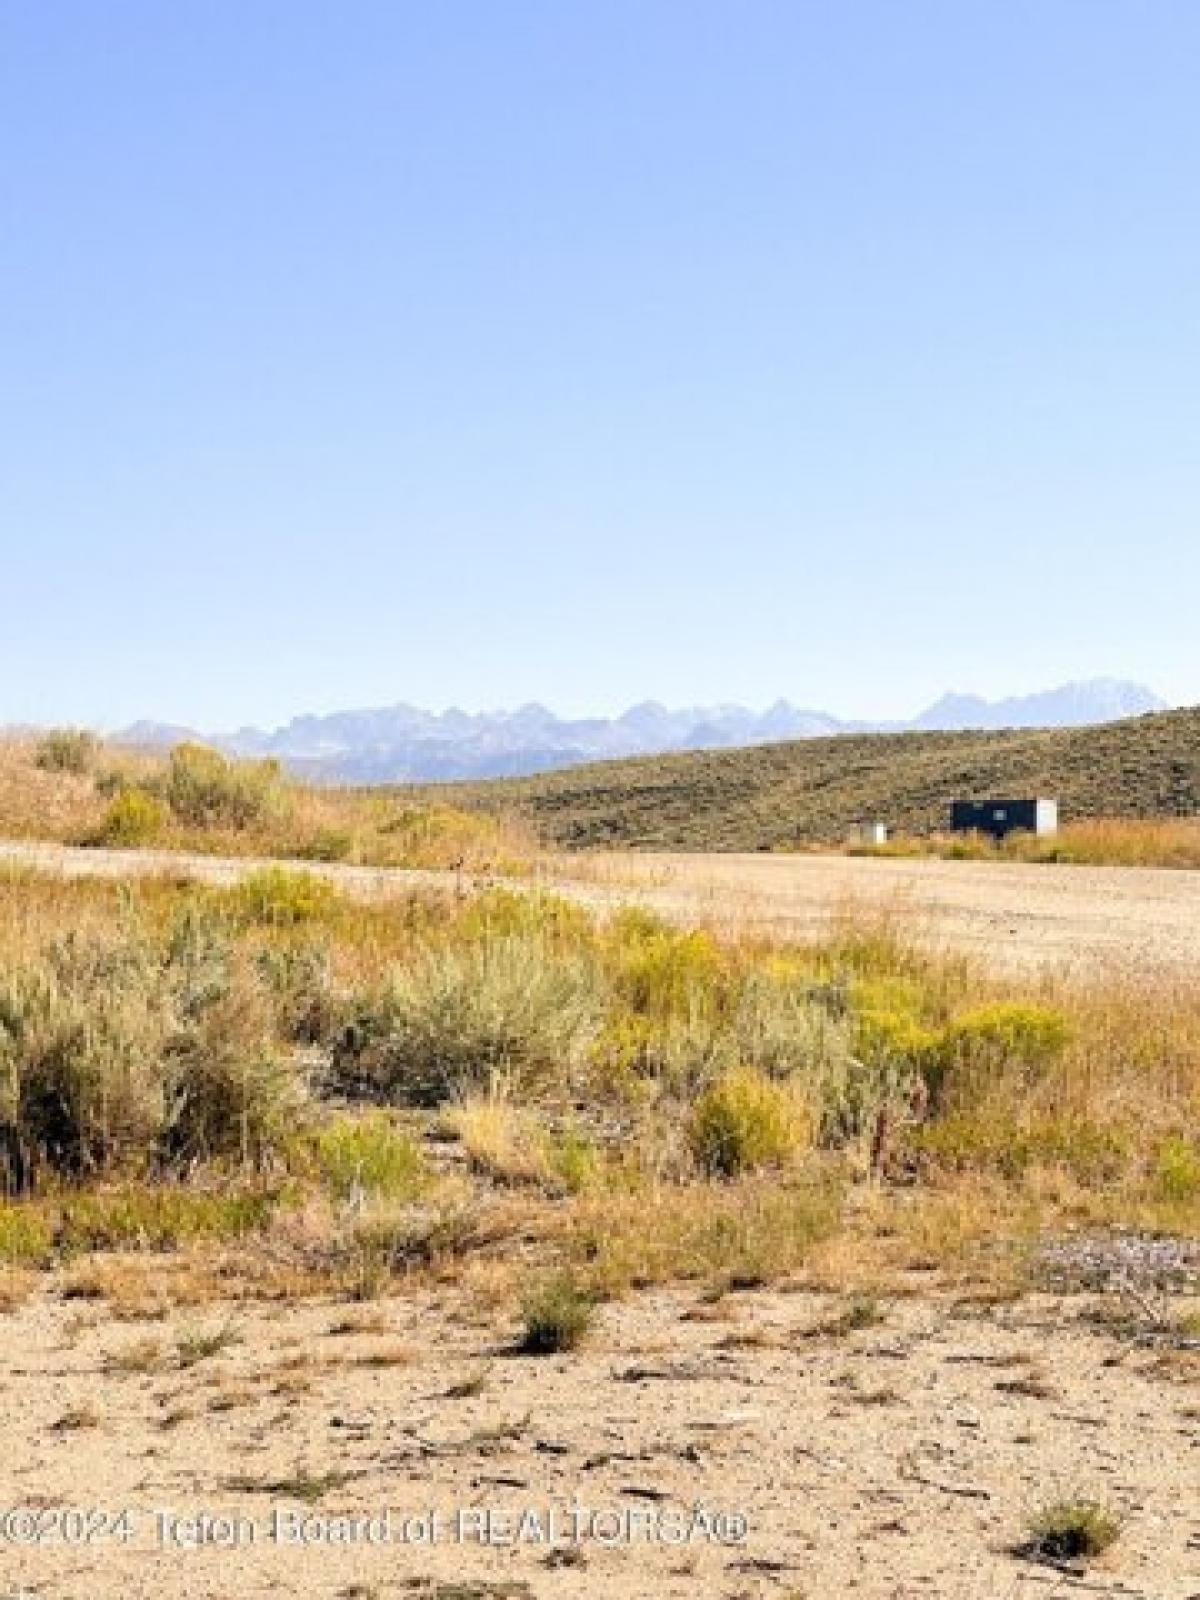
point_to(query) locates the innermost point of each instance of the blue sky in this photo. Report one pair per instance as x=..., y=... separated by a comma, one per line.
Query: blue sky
x=480, y=352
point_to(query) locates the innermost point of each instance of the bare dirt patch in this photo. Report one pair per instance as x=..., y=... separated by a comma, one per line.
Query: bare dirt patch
x=904, y=1457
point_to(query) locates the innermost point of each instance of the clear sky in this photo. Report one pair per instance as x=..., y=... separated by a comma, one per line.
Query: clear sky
x=479, y=351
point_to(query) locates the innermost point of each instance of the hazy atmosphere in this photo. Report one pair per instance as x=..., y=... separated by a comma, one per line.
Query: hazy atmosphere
x=477, y=354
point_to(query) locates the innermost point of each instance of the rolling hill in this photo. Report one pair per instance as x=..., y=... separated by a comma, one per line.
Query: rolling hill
x=813, y=790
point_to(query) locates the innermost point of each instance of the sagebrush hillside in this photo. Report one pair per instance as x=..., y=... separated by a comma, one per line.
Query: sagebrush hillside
x=814, y=790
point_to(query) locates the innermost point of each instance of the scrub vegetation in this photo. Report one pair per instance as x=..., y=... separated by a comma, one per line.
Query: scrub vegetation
x=364, y=1093
x=71, y=788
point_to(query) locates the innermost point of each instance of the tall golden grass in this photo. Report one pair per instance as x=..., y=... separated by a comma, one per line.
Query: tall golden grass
x=1104, y=842
x=1169, y=842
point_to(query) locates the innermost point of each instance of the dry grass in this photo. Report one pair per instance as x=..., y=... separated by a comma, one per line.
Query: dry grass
x=1097, y=842
x=911, y=1117
x=15, y=1289
x=860, y=1313
x=206, y=804
x=193, y=1345
x=724, y=1235
x=79, y=1418
x=140, y=1357
x=394, y=1354
x=499, y=1140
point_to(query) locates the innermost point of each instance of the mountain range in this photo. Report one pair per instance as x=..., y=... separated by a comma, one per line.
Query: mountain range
x=402, y=743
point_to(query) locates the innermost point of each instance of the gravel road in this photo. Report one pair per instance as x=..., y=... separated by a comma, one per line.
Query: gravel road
x=1023, y=917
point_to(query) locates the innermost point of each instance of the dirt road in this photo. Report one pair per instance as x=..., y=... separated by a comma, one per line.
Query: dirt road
x=1019, y=917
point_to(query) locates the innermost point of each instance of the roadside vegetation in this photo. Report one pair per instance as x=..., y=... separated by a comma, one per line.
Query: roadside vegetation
x=500, y=1088
x=71, y=788
x=1103, y=842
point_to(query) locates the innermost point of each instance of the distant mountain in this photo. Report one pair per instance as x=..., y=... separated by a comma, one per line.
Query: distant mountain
x=151, y=734
x=1074, y=705
x=403, y=743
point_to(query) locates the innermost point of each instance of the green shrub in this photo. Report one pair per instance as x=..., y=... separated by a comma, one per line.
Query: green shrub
x=300, y=978
x=1072, y=1530
x=894, y=1037
x=126, y=1054
x=575, y=1161
x=785, y=1032
x=82, y=1040
x=661, y=971
x=991, y=1142
x=26, y=1235
x=71, y=750
x=207, y=790
x=134, y=817
x=328, y=844
x=507, y=1012
x=198, y=956
x=884, y=1057
x=870, y=1094
x=233, y=1093
x=557, y=1316
x=515, y=914
x=369, y=1155
x=744, y=1122
x=994, y=1041
x=621, y=1056
x=685, y=1054
x=1177, y=1171
x=161, y=1216
x=279, y=898
x=779, y=1028
x=776, y=1028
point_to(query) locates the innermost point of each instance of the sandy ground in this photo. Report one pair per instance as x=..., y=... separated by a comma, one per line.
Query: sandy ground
x=1020, y=917
x=899, y=1461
